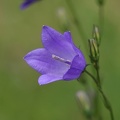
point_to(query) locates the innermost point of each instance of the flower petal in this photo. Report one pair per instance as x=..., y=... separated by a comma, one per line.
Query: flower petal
x=42, y=61
x=56, y=44
x=25, y=4
x=76, y=69
x=68, y=37
x=47, y=78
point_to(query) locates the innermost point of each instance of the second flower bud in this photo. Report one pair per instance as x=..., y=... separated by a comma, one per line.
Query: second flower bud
x=94, y=51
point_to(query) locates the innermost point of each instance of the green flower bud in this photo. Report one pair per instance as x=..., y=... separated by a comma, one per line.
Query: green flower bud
x=96, y=34
x=94, y=51
x=86, y=100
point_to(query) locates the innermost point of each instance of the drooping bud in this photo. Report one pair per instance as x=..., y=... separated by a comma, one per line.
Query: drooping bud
x=94, y=51
x=96, y=34
x=62, y=16
x=85, y=100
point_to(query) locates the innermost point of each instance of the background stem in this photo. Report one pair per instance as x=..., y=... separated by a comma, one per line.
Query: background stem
x=101, y=18
x=75, y=18
x=106, y=102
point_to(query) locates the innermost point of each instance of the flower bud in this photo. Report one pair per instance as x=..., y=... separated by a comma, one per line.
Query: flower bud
x=96, y=34
x=86, y=102
x=94, y=51
x=61, y=14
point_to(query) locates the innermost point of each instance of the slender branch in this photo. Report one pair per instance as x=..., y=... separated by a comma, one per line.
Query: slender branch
x=91, y=76
x=106, y=102
x=77, y=23
x=97, y=71
x=101, y=18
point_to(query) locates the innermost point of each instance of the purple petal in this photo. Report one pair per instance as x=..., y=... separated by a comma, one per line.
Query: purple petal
x=47, y=78
x=26, y=3
x=76, y=69
x=42, y=61
x=56, y=43
x=68, y=37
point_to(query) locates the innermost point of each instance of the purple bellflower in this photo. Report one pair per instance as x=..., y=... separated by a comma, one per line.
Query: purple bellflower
x=60, y=59
x=26, y=3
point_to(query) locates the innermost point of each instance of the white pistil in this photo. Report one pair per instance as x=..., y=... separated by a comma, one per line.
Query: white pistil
x=61, y=59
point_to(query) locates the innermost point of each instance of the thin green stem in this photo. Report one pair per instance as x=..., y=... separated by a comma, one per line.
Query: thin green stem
x=77, y=23
x=99, y=84
x=98, y=75
x=97, y=109
x=101, y=18
x=91, y=76
x=106, y=102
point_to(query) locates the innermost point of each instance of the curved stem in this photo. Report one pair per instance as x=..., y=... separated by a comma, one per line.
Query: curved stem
x=106, y=102
x=91, y=76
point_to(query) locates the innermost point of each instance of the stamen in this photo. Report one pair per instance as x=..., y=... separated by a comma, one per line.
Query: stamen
x=61, y=59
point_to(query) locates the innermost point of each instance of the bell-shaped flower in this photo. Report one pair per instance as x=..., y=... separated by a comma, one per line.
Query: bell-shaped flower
x=27, y=3
x=60, y=59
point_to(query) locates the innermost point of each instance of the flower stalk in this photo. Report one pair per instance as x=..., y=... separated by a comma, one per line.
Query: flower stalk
x=94, y=45
x=75, y=18
x=101, y=14
x=105, y=100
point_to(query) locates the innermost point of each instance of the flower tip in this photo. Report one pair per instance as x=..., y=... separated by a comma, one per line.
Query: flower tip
x=40, y=82
x=24, y=58
x=45, y=27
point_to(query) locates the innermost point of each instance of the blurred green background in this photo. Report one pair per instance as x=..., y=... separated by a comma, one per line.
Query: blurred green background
x=21, y=98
